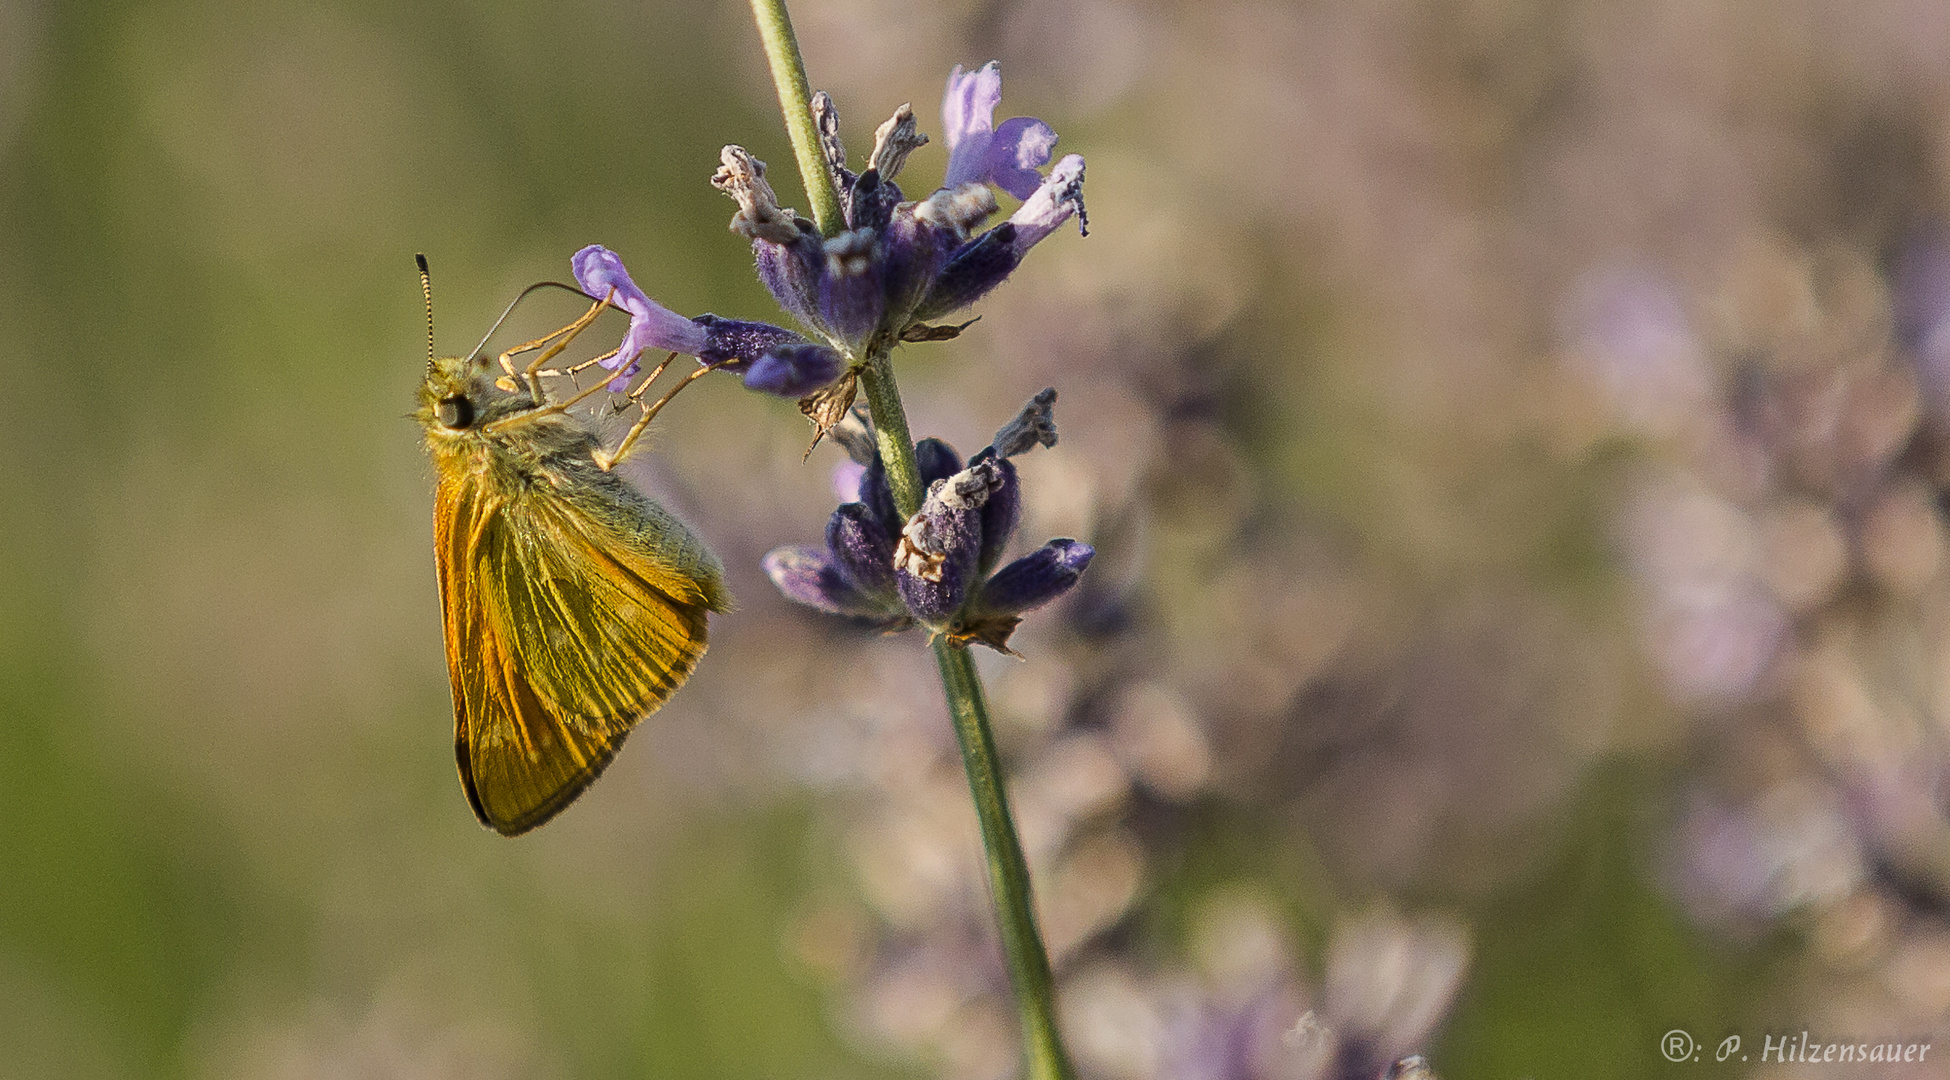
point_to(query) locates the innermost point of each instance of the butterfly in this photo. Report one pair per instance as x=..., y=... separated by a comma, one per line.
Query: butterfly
x=574, y=604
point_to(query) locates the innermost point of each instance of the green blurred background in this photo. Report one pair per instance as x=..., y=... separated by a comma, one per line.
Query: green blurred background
x=1336, y=411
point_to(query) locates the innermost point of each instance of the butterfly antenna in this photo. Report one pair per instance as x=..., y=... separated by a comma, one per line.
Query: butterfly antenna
x=426, y=290
x=523, y=295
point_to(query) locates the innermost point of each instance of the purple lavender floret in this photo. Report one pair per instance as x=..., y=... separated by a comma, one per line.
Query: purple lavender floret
x=863, y=548
x=772, y=359
x=601, y=274
x=980, y=151
x=934, y=568
x=735, y=344
x=935, y=460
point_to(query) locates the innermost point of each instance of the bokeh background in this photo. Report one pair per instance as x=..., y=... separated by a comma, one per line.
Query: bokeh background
x=1515, y=436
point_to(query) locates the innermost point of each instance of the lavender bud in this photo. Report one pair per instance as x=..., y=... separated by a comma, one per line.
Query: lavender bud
x=878, y=495
x=811, y=577
x=940, y=545
x=734, y=344
x=1036, y=578
x=936, y=461
x=864, y=551
x=850, y=295
x=979, y=266
x=790, y=272
x=1001, y=513
x=793, y=371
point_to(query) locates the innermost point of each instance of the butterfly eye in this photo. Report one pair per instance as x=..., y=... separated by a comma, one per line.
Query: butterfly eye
x=455, y=412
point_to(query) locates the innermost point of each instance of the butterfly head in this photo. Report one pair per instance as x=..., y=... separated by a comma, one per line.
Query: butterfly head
x=462, y=393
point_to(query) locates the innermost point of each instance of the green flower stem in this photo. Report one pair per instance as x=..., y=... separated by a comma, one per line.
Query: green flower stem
x=890, y=431
x=1015, y=910
x=795, y=100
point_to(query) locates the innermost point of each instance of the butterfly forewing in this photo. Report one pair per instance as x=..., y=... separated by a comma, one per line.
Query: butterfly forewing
x=560, y=636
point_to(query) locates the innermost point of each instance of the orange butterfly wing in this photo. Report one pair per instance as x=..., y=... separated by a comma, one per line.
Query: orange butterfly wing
x=561, y=635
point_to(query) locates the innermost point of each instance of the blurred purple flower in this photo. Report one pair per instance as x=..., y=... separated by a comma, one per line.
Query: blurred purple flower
x=1922, y=302
x=1628, y=329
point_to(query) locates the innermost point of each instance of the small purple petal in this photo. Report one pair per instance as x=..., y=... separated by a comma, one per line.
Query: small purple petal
x=1051, y=204
x=863, y=550
x=1022, y=145
x=600, y=272
x=809, y=576
x=1036, y=578
x=968, y=121
x=793, y=371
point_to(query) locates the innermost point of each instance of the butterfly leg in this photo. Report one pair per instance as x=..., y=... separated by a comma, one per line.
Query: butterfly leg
x=561, y=339
x=565, y=406
x=577, y=369
x=608, y=460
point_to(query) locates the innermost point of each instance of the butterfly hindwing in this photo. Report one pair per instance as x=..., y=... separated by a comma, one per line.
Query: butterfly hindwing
x=561, y=635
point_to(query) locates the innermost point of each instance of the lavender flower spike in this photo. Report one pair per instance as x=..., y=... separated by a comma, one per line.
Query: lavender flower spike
x=931, y=568
x=898, y=263
x=600, y=272
x=1007, y=155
